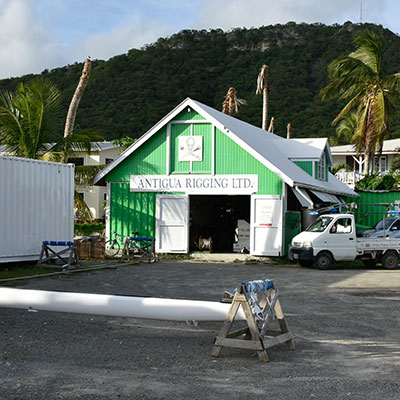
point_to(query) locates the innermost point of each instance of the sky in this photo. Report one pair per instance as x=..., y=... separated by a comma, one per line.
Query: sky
x=45, y=34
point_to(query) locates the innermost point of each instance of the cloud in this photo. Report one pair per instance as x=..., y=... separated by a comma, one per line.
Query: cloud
x=24, y=45
x=121, y=39
x=29, y=43
x=227, y=14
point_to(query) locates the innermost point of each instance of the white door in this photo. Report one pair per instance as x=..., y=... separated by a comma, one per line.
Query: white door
x=266, y=233
x=172, y=223
x=341, y=240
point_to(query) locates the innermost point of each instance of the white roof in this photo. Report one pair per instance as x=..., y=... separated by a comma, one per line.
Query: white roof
x=389, y=146
x=264, y=146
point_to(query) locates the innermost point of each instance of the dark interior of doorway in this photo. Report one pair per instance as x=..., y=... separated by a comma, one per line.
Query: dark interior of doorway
x=215, y=217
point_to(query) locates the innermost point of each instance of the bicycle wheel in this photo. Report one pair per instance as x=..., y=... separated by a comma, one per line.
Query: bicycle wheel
x=112, y=248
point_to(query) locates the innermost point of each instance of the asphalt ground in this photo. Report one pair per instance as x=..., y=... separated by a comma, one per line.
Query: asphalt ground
x=345, y=321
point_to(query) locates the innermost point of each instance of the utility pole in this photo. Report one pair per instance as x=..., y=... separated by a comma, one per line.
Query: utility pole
x=360, y=11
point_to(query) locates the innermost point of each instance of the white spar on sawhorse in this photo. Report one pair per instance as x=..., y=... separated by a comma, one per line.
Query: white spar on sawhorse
x=116, y=306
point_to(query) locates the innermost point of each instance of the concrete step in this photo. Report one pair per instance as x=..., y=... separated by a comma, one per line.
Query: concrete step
x=230, y=258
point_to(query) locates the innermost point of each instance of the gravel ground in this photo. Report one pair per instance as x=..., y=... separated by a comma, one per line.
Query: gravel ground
x=346, y=326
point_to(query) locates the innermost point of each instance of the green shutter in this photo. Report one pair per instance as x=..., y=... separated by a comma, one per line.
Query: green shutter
x=306, y=166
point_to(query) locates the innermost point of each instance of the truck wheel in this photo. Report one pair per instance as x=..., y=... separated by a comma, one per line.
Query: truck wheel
x=306, y=263
x=324, y=261
x=390, y=260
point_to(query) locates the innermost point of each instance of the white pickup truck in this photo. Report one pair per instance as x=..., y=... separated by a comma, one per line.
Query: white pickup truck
x=332, y=237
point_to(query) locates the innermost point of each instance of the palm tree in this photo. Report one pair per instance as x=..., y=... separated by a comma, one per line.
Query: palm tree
x=359, y=78
x=262, y=87
x=345, y=129
x=28, y=118
x=232, y=102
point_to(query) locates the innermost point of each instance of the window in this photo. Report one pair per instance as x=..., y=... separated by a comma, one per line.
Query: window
x=76, y=160
x=383, y=164
x=380, y=164
x=322, y=168
x=320, y=224
x=82, y=196
x=342, y=225
x=395, y=226
x=109, y=160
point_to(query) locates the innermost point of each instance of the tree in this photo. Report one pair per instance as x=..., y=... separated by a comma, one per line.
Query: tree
x=345, y=130
x=76, y=98
x=359, y=78
x=232, y=102
x=262, y=87
x=28, y=117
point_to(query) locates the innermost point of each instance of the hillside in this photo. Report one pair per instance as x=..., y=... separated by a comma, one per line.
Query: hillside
x=128, y=94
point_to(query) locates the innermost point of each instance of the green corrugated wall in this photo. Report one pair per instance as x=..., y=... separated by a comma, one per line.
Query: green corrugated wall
x=306, y=166
x=203, y=167
x=186, y=115
x=230, y=158
x=131, y=211
x=148, y=159
x=364, y=217
x=178, y=130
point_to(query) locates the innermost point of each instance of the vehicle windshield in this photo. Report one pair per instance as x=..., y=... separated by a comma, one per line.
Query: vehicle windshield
x=388, y=222
x=320, y=224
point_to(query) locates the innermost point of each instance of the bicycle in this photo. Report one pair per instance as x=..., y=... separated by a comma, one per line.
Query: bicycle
x=113, y=246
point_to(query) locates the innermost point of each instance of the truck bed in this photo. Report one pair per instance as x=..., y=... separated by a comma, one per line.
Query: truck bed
x=378, y=244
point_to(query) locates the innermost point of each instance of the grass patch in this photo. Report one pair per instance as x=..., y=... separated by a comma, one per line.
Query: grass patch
x=17, y=270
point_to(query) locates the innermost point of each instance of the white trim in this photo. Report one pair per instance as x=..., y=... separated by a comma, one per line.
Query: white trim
x=168, y=144
x=191, y=162
x=304, y=159
x=191, y=121
x=107, y=212
x=304, y=195
x=212, y=149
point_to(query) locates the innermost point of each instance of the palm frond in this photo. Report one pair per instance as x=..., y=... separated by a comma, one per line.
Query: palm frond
x=369, y=50
x=85, y=174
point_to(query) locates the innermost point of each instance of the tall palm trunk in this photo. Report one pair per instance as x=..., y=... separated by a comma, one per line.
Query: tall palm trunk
x=262, y=86
x=76, y=98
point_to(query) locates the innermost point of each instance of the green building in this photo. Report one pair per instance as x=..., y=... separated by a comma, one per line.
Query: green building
x=198, y=172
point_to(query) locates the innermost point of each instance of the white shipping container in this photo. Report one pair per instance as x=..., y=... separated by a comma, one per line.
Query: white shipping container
x=36, y=204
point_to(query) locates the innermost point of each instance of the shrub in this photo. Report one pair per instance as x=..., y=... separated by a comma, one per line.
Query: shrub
x=87, y=228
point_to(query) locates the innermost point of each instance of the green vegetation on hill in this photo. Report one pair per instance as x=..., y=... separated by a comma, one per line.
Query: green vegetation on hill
x=128, y=94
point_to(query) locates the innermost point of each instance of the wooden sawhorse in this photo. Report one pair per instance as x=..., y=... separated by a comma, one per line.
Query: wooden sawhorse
x=259, y=314
x=47, y=253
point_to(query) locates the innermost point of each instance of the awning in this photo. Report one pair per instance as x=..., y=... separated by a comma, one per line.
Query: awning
x=326, y=197
x=302, y=197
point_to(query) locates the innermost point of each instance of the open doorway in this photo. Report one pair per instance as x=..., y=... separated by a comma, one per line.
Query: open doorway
x=214, y=219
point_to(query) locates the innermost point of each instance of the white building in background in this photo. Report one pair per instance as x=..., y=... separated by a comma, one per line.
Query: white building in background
x=355, y=162
x=100, y=154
